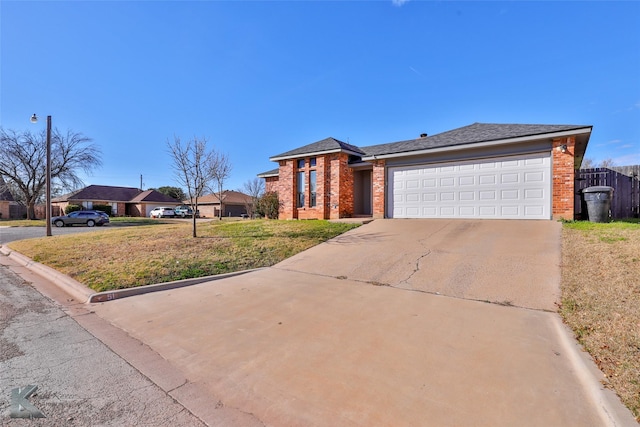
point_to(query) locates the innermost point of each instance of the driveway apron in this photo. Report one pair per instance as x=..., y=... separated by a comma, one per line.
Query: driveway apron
x=354, y=333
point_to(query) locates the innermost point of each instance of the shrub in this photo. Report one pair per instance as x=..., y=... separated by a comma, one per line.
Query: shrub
x=268, y=205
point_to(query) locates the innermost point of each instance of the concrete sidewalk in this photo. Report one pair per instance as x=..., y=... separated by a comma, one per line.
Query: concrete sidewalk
x=389, y=324
x=353, y=333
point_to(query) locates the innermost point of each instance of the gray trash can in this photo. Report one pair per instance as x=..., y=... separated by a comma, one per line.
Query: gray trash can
x=598, y=201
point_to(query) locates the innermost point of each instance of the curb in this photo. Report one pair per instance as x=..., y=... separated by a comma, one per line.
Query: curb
x=140, y=290
x=85, y=295
x=76, y=289
x=607, y=403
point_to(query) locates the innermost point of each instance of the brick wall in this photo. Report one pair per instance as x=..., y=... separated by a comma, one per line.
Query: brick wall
x=378, y=183
x=334, y=188
x=4, y=209
x=271, y=184
x=563, y=178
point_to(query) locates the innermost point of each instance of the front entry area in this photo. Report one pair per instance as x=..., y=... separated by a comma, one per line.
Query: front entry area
x=362, y=193
x=510, y=187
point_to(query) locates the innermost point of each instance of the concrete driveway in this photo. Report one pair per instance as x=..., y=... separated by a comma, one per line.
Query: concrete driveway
x=387, y=325
x=508, y=262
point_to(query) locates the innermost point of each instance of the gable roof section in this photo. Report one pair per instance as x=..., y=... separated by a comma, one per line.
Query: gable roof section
x=5, y=194
x=476, y=133
x=267, y=174
x=325, y=146
x=153, y=196
x=228, y=196
x=101, y=192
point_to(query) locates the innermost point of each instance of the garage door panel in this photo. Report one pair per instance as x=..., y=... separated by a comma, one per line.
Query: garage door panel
x=467, y=180
x=537, y=176
x=508, y=187
x=506, y=164
x=510, y=178
x=487, y=179
x=467, y=196
x=487, y=195
x=512, y=194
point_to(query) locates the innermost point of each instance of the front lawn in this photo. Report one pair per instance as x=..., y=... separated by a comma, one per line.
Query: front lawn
x=117, y=258
x=601, y=299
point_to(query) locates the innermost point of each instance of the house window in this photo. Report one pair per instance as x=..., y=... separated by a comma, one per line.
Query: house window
x=300, y=189
x=312, y=162
x=312, y=187
x=300, y=163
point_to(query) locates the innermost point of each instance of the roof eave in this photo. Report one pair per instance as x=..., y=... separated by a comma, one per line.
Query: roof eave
x=314, y=153
x=267, y=175
x=551, y=135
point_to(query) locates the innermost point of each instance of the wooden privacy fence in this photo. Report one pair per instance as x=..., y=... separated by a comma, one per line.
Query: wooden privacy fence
x=626, y=191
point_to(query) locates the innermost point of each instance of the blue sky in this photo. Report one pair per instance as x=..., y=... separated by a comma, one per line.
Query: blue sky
x=257, y=78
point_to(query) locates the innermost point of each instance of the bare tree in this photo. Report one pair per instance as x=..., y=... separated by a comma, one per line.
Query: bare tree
x=221, y=167
x=254, y=189
x=194, y=169
x=587, y=163
x=607, y=163
x=23, y=162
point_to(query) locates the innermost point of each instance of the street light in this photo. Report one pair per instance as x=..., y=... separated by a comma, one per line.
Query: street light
x=34, y=119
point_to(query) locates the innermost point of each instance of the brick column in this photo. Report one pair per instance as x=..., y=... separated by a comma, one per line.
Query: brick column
x=563, y=178
x=287, y=190
x=378, y=182
x=340, y=179
x=322, y=190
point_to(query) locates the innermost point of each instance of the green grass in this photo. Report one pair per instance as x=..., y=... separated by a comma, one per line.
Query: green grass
x=124, y=257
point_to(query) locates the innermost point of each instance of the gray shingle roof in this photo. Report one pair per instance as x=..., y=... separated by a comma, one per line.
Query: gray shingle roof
x=101, y=192
x=153, y=196
x=474, y=133
x=326, y=145
x=5, y=194
x=272, y=172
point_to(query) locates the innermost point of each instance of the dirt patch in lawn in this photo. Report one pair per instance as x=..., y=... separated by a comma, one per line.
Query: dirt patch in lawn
x=601, y=300
x=118, y=258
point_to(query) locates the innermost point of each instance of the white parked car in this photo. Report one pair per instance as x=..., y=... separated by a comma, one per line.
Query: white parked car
x=162, y=213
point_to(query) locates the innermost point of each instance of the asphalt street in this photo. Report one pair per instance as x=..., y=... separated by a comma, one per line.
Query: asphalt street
x=80, y=381
x=9, y=234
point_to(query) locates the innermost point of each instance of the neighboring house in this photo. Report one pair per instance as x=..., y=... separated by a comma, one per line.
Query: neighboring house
x=234, y=203
x=501, y=171
x=124, y=201
x=6, y=198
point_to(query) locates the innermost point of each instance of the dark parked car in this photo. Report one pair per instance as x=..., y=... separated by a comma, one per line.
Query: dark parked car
x=88, y=218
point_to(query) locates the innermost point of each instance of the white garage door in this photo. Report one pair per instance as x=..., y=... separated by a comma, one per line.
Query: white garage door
x=514, y=187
